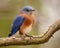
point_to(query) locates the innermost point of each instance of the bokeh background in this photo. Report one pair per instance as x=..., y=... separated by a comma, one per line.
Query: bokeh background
x=47, y=12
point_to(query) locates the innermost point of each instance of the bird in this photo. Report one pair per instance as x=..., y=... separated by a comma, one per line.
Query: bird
x=23, y=22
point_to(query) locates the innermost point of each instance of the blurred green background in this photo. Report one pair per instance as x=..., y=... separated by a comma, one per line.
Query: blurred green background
x=8, y=10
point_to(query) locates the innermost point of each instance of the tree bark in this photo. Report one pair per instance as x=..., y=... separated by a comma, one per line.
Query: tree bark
x=31, y=40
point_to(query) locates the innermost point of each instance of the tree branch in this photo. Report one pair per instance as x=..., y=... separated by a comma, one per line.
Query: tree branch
x=31, y=40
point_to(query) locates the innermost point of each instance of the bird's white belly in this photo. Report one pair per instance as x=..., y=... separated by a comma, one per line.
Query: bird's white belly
x=27, y=29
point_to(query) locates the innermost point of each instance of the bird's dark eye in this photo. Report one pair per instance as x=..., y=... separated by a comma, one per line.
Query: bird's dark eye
x=27, y=10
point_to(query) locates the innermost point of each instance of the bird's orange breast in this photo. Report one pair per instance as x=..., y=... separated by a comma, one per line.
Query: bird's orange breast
x=28, y=22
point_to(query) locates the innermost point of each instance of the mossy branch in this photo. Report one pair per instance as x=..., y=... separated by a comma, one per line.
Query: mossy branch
x=31, y=40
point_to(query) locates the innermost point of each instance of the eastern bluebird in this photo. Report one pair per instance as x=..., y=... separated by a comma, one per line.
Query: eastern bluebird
x=23, y=22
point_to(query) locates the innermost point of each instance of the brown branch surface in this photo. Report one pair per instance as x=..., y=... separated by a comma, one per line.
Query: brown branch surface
x=31, y=40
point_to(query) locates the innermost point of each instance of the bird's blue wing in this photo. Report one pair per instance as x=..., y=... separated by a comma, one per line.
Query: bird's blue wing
x=16, y=24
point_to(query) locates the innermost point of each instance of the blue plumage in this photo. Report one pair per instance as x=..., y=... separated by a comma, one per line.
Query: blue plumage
x=16, y=24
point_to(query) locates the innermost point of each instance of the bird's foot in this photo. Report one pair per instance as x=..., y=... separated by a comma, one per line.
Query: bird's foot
x=23, y=37
x=28, y=35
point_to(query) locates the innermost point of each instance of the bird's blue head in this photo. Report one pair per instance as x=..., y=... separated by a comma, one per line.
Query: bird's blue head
x=28, y=9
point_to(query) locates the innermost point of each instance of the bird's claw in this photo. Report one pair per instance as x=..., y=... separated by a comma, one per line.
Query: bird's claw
x=28, y=35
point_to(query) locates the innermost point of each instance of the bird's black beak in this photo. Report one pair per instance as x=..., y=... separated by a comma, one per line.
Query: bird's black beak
x=33, y=10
